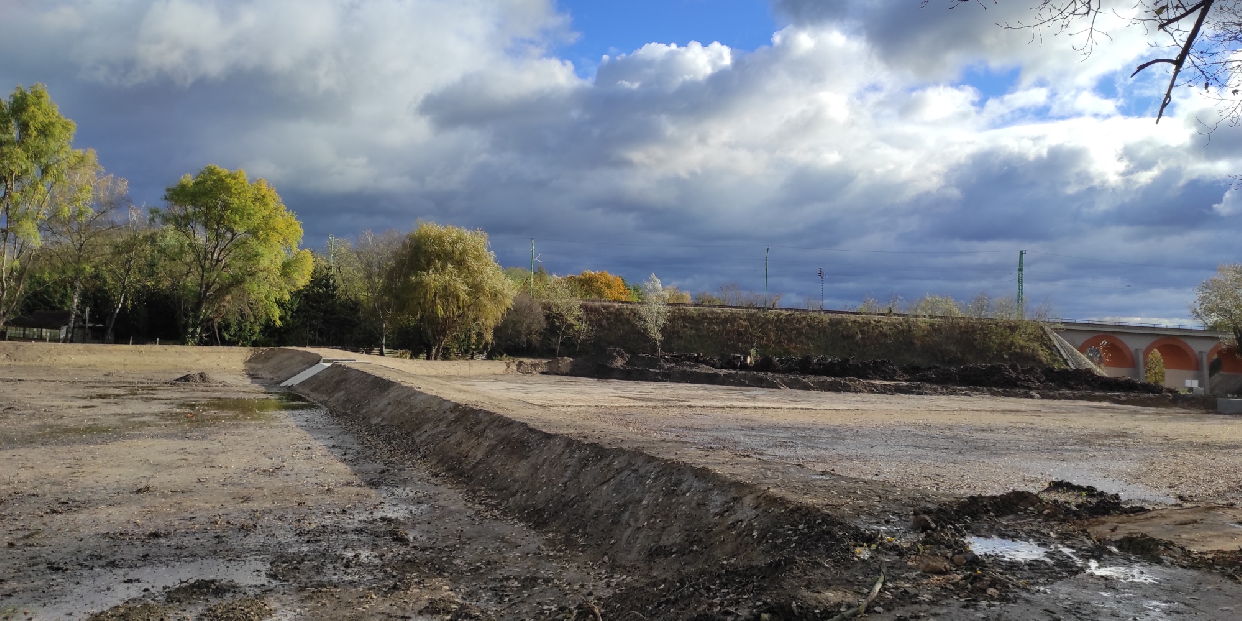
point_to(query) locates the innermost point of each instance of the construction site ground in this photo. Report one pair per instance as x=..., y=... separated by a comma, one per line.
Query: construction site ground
x=127, y=495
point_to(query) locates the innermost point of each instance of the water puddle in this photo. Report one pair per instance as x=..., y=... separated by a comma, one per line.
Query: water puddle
x=1008, y=549
x=100, y=589
x=1124, y=574
x=232, y=409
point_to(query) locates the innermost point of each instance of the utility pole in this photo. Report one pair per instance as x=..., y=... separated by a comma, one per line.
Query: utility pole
x=532, y=268
x=331, y=248
x=767, y=302
x=821, y=289
x=1021, y=309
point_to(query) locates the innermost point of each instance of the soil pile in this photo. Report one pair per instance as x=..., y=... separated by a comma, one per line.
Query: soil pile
x=1006, y=376
x=194, y=378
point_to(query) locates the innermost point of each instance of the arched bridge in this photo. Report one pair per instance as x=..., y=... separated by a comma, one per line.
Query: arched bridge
x=1188, y=353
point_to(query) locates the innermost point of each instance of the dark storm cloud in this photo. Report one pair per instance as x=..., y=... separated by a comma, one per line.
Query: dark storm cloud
x=846, y=133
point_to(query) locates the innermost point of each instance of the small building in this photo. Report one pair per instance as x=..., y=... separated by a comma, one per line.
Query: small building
x=45, y=325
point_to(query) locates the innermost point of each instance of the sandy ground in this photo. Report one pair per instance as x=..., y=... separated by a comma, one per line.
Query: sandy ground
x=126, y=496
x=226, y=501
x=955, y=445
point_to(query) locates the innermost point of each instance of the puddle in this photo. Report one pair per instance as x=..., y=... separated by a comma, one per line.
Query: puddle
x=1124, y=574
x=99, y=589
x=231, y=409
x=1086, y=474
x=1008, y=549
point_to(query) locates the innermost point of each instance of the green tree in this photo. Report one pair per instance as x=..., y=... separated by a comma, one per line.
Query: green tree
x=129, y=263
x=1154, y=369
x=363, y=269
x=234, y=246
x=35, y=154
x=653, y=311
x=1218, y=303
x=562, y=311
x=447, y=281
x=84, y=212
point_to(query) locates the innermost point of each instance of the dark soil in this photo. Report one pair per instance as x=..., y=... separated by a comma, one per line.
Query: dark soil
x=977, y=375
x=194, y=378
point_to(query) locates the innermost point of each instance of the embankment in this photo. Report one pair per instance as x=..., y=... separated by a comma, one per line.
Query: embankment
x=903, y=340
x=633, y=509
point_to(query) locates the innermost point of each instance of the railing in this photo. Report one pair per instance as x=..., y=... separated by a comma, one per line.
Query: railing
x=1130, y=324
x=1134, y=324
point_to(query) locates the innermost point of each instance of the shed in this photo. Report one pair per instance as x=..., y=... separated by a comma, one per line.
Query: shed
x=47, y=325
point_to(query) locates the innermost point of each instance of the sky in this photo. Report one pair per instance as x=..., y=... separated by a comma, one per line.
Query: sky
x=904, y=149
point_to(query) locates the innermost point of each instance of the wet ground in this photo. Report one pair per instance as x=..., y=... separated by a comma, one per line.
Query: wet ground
x=127, y=496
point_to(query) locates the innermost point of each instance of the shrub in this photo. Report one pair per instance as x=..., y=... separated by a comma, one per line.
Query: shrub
x=521, y=327
x=1154, y=369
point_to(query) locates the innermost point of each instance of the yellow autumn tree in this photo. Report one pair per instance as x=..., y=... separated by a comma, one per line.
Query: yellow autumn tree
x=233, y=247
x=599, y=286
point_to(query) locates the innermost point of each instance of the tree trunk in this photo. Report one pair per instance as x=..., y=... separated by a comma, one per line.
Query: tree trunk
x=109, y=336
x=73, y=308
x=383, y=337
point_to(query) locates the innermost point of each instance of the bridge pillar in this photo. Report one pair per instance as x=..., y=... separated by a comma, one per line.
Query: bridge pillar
x=1205, y=377
x=1140, y=364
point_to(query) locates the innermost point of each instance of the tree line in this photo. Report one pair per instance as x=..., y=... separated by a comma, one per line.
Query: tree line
x=220, y=263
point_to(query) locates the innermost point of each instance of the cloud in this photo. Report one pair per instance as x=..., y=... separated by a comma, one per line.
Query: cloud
x=852, y=130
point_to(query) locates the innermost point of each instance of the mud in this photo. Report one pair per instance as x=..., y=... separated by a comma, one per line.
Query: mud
x=882, y=377
x=384, y=492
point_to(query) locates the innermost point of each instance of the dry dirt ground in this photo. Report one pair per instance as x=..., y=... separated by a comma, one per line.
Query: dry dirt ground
x=127, y=495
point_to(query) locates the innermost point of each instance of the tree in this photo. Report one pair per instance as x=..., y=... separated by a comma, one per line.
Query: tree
x=320, y=313
x=1201, y=39
x=1154, y=369
x=522, y=325
x=235, y=247
x=84, y=212
x=562, y=311
x=599, y=286
x=363, y=269
x=35, y=154
x=1218, y=303
x=129, y=262
x=653, y=311
x=447, y=281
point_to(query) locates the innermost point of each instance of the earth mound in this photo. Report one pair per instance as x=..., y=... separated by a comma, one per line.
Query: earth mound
x=194, y=378
x=1010, y=376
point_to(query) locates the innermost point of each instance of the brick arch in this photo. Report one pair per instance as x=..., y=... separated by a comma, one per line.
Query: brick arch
x=1119, y=356
x=1176, y=353
x=1229, y=360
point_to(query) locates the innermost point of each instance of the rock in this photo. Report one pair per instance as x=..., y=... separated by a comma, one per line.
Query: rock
x=993, y=593
x=922, y=523
x=931, y=564
x=959, y=559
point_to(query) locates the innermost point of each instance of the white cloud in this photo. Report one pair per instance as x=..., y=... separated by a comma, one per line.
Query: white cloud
x=848, y=130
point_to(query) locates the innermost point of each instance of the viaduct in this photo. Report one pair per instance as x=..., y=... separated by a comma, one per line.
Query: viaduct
x=1189, y=354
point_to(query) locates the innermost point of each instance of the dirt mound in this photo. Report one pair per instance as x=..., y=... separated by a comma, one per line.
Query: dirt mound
x=198, y=590
x=194, y=378
x=1004, y=376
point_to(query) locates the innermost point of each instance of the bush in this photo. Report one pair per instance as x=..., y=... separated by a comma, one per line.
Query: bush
x=521, y=327
x=1154, y=369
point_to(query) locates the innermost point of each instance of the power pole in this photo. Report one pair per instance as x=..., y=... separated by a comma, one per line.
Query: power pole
x=821, y=289
x=1021, y=309
x=331, y=254
x=532, y=268
x=767, y=302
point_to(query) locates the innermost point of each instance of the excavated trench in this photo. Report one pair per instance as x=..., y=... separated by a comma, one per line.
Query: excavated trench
x=707, y=545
